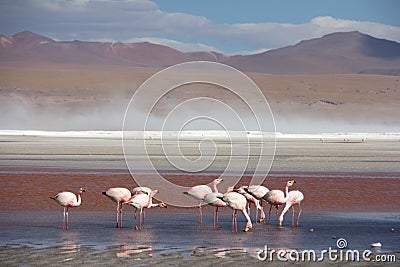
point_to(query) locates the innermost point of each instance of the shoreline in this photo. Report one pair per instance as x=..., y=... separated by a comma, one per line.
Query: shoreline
x=335, y=137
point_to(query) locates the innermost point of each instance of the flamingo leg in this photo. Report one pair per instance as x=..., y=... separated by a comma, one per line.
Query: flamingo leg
x=216, y=217
x=200, y=220
x=67, y=220
x=298, y=216
x=292, y=216
x=262, y=214
x=256, y=204
x=234, y=221
x=134, y=219
x=117, y=215
x=120, y=216
x=63, y=222
x=140, y=218
x=259, y=208
x=276, y=212
x=269, y=214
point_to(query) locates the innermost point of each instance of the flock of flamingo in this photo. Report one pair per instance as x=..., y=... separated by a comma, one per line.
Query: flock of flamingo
x=238, y=199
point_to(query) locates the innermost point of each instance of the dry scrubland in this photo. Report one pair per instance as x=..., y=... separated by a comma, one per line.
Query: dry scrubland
x=354, y=98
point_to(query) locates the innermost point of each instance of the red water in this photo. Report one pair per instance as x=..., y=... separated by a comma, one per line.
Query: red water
x=29, y=188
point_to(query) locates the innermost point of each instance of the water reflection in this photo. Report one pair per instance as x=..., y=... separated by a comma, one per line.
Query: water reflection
x=127, y=250
x=70, y=244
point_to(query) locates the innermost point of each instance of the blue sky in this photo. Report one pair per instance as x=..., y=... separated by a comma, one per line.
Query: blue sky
x=287, y=11
x=221, y=25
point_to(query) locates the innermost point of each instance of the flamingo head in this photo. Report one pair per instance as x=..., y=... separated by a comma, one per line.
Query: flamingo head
x=163, y=205
x=290, y=183
x=81, y=190
x=153, y=192
x=217, y=181
x=230, y=189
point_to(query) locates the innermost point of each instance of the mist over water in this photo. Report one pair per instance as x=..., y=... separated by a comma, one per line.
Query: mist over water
x=24, y=116
x=18, y=113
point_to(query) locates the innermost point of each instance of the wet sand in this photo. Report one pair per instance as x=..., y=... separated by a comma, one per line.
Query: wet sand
x=351, y=192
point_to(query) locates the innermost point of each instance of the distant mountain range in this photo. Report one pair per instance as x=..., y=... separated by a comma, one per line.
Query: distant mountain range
x=342, y=52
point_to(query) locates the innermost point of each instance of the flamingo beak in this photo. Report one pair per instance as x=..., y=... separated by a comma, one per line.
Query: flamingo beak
x=246, y=229
x=156, y=191
x=165, y=205
x=293, y=181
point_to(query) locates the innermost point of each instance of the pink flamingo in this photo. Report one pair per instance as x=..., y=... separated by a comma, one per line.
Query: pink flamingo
x=214, y=199
x=292, y=198
x=141, y=189
x=237, y=201
x=244, y=190
x=199, y=192
x=276, y=198
x=258, y=191
x=118, y=195
x=67, y=200
x=141, y=201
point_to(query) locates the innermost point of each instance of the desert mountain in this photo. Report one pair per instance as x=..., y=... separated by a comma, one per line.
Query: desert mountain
x=349, y=52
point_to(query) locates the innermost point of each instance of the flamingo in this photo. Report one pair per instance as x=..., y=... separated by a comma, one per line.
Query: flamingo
x=258, y=191
x=237, y=201
x=67, y=200
x=199, y=192
x=292, y=198
x=141, y=189
x=118, y=195
x=276, y=198
x=141, y=201
x=214, y=199
x=244, y=190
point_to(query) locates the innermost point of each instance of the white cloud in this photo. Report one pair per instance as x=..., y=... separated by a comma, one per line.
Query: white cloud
x=328, y=24
x=143, y=20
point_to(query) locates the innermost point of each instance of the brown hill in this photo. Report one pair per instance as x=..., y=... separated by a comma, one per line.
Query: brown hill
x=33, y=48
x=350, y=52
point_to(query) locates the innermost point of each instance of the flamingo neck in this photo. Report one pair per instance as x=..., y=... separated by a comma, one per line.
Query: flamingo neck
x=286, y=191
x=150, y=202
x=215, y=189
x=79, y=200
